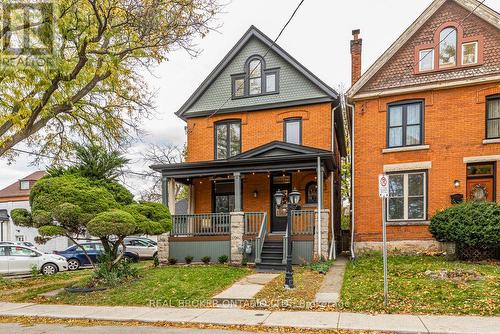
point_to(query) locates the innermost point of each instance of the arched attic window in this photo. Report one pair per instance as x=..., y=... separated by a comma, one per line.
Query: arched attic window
x=256, y=79
x=448, y=47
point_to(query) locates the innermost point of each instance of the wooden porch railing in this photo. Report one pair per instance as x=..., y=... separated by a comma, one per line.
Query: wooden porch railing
x=201, y=224
x=253, y=220
x=303, y=222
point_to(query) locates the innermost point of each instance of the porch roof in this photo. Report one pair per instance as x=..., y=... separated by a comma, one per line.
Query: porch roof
x=274, y=156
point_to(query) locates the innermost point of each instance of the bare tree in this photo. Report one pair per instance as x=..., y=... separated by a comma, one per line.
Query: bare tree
x=162, y=154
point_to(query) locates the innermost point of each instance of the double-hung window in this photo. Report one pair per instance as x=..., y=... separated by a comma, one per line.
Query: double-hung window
x=405, y=124
x=493, y=117
x=407, y=196
x=293, y=130
x=227, y=139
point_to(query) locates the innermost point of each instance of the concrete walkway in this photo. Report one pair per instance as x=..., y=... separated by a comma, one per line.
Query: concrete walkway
x=244, y=290
x=329, y=293
x=316, y=320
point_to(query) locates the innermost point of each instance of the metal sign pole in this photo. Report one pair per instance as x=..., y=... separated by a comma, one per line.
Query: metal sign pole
x=384, y=241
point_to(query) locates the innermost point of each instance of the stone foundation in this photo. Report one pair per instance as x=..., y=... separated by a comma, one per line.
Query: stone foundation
x=237, y=231
x=325, y=219
x=401, y=246
x=163, y=248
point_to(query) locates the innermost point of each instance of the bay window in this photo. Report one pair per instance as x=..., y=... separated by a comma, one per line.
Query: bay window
x=407, y=196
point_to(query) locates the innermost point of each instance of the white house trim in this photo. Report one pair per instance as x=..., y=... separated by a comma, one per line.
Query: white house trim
x=407, y=166
x=482, y=158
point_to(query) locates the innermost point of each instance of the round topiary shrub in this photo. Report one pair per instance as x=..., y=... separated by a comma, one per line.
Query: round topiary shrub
x=469, y=225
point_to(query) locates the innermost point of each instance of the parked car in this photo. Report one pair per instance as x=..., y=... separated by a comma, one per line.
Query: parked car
x=16, y=259
x=20, y=243
x=142, y=247
x=76, y=257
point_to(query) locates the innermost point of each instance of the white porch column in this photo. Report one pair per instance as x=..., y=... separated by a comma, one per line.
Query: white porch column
x=237, y=191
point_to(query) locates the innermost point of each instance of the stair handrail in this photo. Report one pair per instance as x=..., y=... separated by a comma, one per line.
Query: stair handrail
x=285, y=246
x=259, y=241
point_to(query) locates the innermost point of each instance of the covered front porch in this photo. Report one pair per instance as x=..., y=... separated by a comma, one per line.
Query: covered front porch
x=231, y=208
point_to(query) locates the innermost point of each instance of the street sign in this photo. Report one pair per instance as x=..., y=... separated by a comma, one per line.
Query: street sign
x=383, y=186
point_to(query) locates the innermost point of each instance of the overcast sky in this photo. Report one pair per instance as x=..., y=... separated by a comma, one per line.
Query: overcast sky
x=318, y=37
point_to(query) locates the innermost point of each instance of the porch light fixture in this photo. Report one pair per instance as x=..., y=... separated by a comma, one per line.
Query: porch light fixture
x=294, y=197
x=456, y=183
x=278, y=197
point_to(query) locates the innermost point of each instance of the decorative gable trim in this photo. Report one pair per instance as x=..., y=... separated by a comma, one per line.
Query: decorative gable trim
x=252, y=32
x=276, y=148
x=484, y=12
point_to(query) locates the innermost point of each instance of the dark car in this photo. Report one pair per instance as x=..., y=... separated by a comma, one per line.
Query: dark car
x=76, y=257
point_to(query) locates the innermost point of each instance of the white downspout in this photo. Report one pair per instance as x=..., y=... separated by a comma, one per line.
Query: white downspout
x=352, y=178
x=333, y=245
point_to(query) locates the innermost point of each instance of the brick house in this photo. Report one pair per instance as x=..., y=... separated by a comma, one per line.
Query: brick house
x=427, y=113
x=259, y=123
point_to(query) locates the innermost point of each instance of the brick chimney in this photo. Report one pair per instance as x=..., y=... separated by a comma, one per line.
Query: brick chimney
x=355, y=56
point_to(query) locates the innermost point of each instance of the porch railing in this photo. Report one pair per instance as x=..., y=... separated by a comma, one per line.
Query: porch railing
x=253, y=220
x=259, y=240
x=303, y=222
x=201, y=224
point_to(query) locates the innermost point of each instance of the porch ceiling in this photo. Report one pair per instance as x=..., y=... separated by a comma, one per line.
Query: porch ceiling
x=275, y=156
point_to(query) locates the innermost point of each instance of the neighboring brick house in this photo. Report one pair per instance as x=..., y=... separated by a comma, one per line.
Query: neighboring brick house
x=427, y=112
x=15, y=196
x=259, y=123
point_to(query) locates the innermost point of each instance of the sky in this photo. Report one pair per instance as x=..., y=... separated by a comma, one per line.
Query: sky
x=318, y=37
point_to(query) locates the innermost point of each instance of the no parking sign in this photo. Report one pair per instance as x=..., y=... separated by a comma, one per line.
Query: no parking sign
x=383, y=186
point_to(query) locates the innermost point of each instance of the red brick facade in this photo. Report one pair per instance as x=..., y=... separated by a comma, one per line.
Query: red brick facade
x=454, y=119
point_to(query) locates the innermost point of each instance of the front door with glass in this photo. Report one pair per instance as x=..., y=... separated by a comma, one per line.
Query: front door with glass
x=282, y=182
x=481, y=182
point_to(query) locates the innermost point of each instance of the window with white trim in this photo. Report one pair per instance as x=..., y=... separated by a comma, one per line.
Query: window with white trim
x=426, y=60
x=469, y=53
x=407, y=196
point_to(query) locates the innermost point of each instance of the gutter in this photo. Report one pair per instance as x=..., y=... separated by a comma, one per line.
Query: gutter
x=353, y=255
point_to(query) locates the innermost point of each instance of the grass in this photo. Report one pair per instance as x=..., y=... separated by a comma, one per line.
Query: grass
x=412, y=291
x=164, y=286
x=274, y=296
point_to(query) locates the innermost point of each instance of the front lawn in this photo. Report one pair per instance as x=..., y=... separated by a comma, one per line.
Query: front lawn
x=164, y=286
x=416, y=285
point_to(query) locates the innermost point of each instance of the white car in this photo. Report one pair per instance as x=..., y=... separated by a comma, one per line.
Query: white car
x=17, y=259
x=142, y=247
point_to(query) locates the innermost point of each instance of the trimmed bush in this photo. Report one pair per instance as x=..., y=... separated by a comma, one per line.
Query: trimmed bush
x=172, y=260
x=223, y=259
x=206, y=259
x=473, y=224
x=188, y=259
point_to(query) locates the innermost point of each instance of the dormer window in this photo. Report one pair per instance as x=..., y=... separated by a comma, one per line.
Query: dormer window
x=24, y=185
x=256, y=80
x=448, y=47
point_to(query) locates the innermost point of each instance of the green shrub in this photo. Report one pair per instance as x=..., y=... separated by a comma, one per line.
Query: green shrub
x=206, y=259
x=223, y=259
x=156, y=262
x=172, y=260
x=321, y=266
x=474, y=224
x=188, y=259
x=103, y=276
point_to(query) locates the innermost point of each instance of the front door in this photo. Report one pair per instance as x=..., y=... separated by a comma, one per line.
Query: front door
x=481, y=182
x=282, y=182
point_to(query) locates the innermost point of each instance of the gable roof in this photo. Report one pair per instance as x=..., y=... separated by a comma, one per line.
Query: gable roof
x=277, y=148
x=253, y=32
x=481, y=10
x=14, y=190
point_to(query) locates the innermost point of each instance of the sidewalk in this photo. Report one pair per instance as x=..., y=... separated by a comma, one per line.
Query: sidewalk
x=316, y=320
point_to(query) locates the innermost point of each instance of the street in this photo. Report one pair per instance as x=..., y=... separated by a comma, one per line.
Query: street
x=12, y=328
